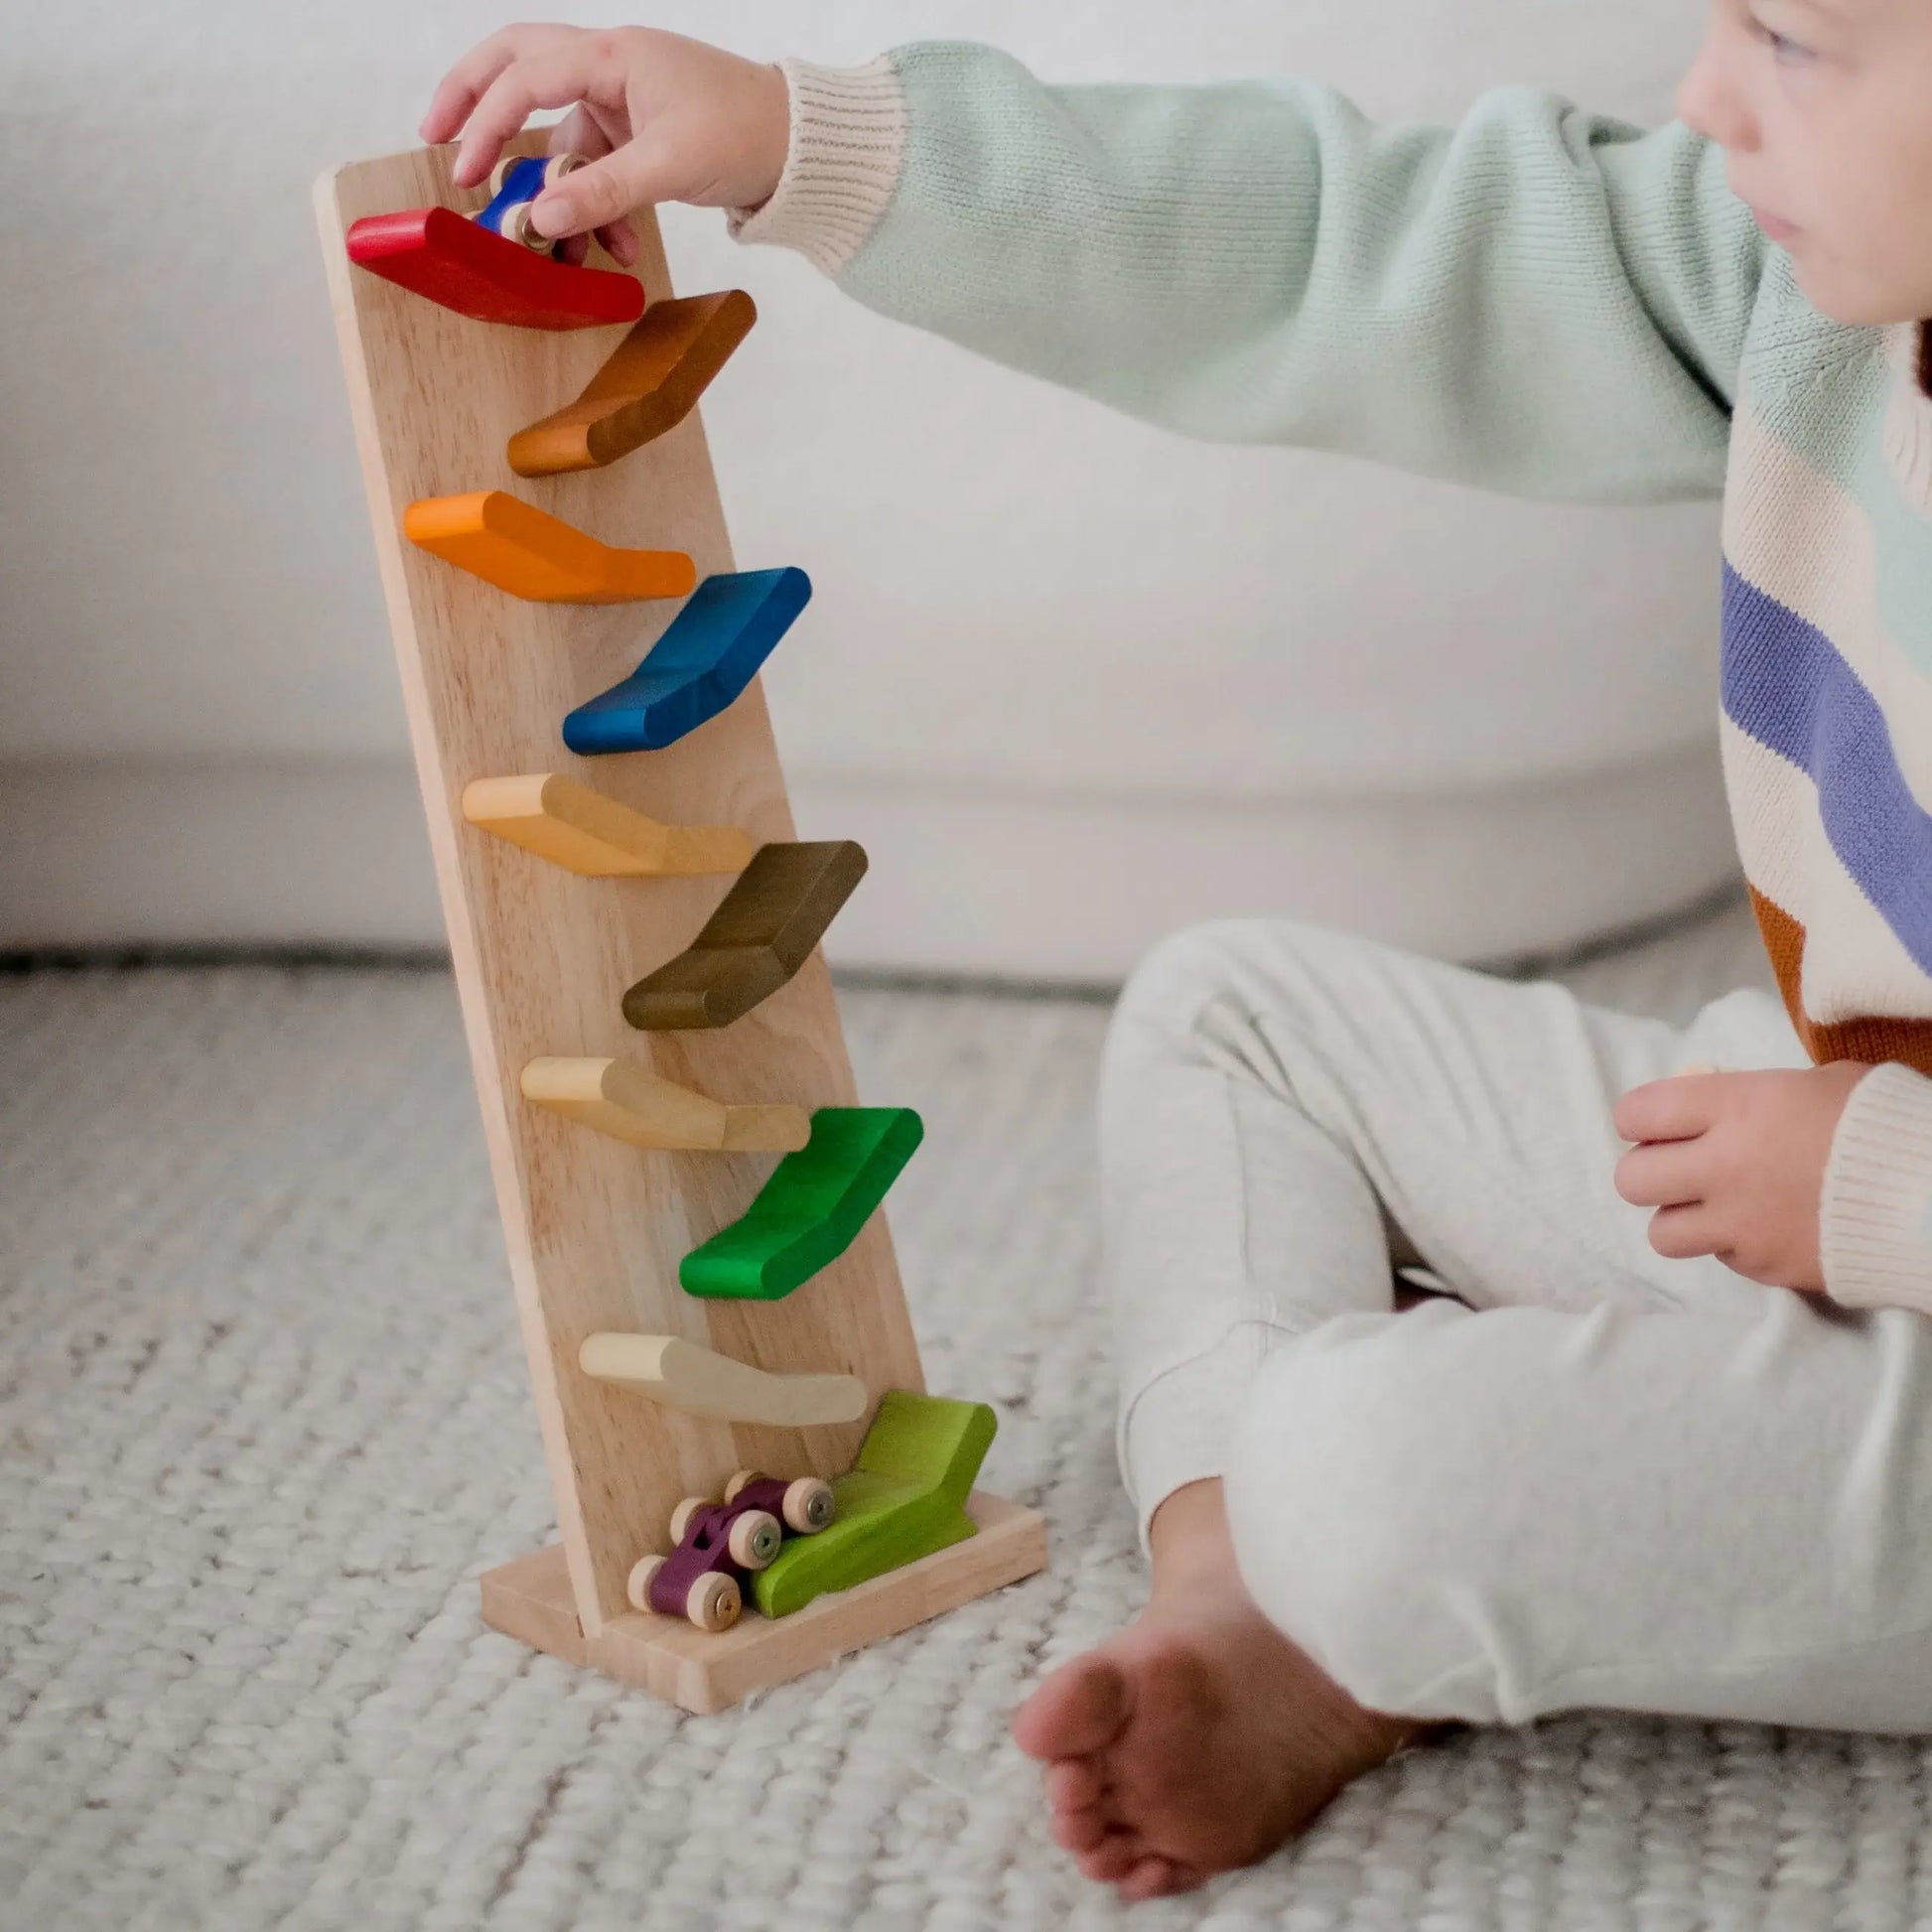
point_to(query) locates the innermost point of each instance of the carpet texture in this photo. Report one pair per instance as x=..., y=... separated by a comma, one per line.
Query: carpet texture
x=264, y=1420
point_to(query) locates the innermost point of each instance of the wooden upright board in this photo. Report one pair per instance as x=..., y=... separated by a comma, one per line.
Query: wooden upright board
x=596, y=1228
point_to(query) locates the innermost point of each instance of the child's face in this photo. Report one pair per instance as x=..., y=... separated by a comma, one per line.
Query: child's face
x=1824, y=111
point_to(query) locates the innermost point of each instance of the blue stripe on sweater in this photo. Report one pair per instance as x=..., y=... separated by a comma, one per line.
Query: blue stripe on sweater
x=1787, y=687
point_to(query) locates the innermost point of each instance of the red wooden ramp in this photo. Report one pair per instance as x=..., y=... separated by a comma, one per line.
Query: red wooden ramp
x=435, y=251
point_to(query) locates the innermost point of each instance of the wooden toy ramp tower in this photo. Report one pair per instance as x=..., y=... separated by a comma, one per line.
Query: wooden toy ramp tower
x=647, y=1015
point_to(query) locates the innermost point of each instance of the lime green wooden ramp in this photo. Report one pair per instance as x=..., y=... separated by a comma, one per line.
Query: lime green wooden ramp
x=904, y=1498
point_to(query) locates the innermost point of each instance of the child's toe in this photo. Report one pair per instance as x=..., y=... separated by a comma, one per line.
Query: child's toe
x=1078, y=1831
x=1154, y=1878
x=1112, y=1858
x=1082, y=1708
x=1074, y=1783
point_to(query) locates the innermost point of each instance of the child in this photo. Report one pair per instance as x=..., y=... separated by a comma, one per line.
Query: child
x=1625, y=1467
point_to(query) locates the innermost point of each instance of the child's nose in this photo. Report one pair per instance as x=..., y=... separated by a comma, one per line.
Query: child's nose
x=1708, y=101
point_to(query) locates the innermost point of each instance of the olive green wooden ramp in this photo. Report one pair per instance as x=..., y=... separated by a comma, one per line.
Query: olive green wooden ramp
x=761, y=934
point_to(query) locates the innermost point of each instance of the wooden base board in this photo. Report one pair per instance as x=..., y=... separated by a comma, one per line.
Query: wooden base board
x=530, y=1599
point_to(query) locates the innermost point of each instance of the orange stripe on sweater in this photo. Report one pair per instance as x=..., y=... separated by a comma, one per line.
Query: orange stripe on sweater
x=1871, y=1039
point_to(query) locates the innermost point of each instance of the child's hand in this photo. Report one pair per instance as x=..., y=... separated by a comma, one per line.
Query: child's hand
x=662, y=118
x=1734, y=1163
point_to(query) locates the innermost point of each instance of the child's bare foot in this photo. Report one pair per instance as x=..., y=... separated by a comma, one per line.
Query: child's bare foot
x=1199, y=1738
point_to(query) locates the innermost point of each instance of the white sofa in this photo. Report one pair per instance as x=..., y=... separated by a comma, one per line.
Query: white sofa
x=1072, y=681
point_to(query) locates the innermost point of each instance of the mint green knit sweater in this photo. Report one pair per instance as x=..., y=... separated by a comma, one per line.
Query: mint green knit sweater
x=1540, y=301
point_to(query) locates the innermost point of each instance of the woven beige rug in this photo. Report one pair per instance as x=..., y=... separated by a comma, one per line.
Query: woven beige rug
x=263, y=1419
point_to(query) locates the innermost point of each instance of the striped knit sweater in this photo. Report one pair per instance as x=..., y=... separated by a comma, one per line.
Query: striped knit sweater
x=1540, y=301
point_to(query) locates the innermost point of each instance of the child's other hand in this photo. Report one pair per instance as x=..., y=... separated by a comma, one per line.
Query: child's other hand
x=1734, y=1164
x=660, y=118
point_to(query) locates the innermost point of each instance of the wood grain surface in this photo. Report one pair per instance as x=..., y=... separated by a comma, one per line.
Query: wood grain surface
x=530, y=1598
x=595, y=1228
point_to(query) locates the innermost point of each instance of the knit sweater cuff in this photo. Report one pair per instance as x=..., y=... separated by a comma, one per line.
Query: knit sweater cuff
x=842, y=165
x=1875, y=1212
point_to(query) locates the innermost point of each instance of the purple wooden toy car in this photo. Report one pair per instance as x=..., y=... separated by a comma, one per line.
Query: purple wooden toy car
x=804, y=1506
x=701, y=1578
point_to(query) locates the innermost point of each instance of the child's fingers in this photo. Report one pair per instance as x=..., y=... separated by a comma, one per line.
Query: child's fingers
x=581, y=133
x=643, y=172
x=465, y=85
x=619, y=240
x=1667, y=1110
x=557, y=74
x=1662, y=1174
x=449, y=105
x=1685, y=1231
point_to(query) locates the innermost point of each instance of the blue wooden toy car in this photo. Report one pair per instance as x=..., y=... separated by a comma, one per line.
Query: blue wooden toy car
x=514, y=183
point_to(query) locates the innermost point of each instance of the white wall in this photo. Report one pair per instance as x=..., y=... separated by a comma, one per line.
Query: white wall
x=188, y=596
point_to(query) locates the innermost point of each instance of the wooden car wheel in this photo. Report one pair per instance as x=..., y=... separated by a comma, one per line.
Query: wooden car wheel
x=810, y=1505
x=560, y=165
x=738, y=1482
x=516, y=227
x=681, y=1517
x=756, y=1538
x=499, y=173
x=714, y=1602
x=637, y=1584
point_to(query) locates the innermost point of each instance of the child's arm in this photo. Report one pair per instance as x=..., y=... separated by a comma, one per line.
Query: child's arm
x=1538, y=301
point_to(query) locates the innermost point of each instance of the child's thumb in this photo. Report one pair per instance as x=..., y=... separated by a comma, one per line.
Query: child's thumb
x=604, y=192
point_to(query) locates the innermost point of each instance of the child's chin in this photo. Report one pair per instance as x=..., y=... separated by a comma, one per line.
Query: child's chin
x=1860, y=302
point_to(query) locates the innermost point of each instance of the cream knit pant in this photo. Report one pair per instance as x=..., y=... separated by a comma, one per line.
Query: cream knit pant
x=1609, y=1479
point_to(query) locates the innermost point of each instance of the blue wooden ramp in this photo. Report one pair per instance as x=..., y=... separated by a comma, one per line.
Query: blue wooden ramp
x=712, y=652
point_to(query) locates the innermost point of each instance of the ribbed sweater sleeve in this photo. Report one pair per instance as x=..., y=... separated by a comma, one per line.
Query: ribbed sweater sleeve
x=1875, y=1215
x=1538, y=301
x=842, y=164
